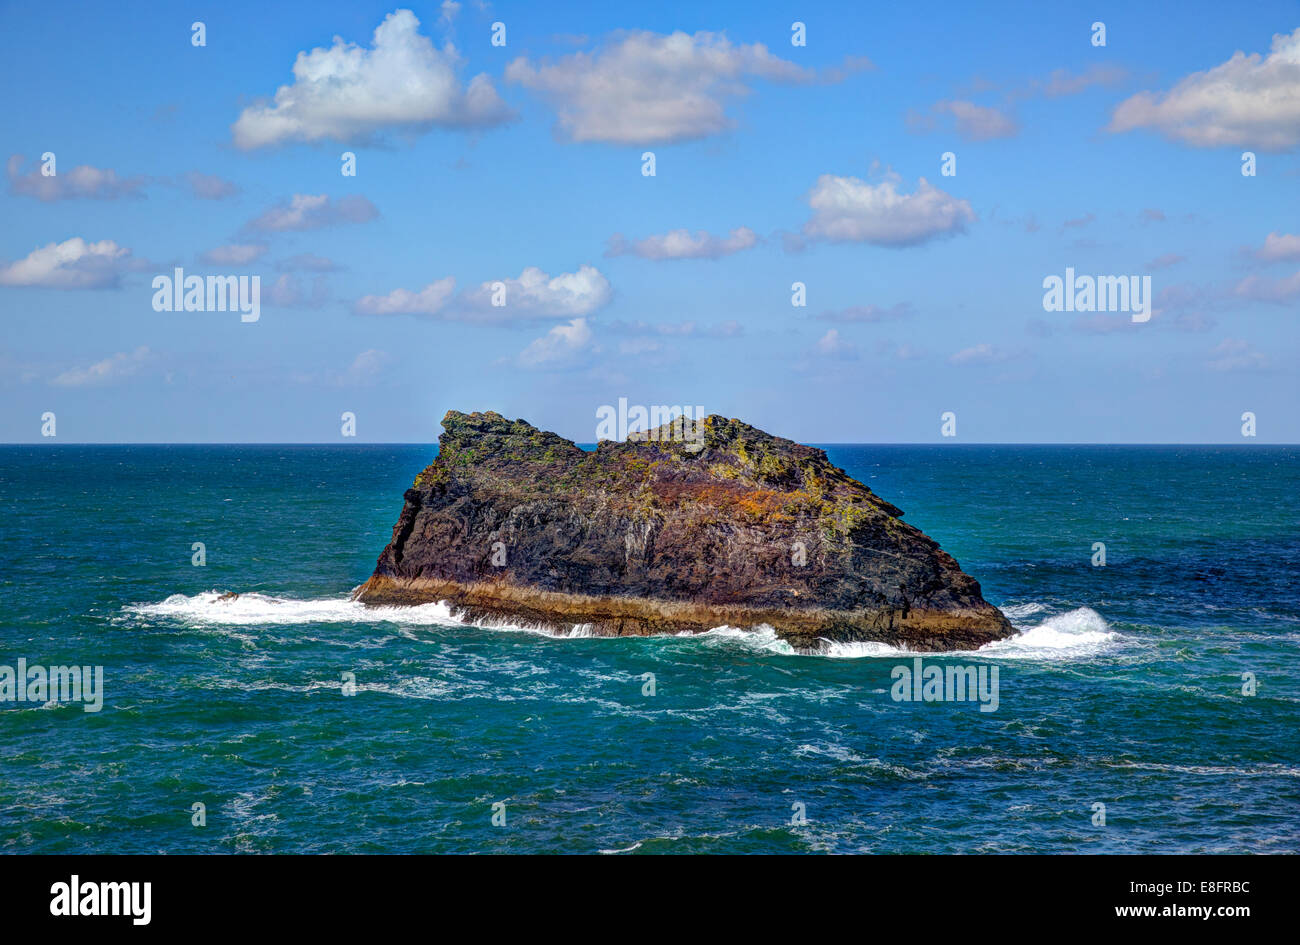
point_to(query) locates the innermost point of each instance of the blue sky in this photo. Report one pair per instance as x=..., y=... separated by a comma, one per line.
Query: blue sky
x=522, y=164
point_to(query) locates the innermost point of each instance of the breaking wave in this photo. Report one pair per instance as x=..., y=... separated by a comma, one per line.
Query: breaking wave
x=1073, y=634
x=253, y=608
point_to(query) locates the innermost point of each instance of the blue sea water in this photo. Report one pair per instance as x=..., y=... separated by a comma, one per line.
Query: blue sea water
x=1124, y=688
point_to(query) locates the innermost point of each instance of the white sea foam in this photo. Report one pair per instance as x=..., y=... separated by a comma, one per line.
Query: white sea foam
x=763, y=637
x=1071, y=635
x=1017, y=612
x=254, y=608
x=1074, y=634
x=208, y=608
x=857, y=649
x=576, y=631
x=635, y=846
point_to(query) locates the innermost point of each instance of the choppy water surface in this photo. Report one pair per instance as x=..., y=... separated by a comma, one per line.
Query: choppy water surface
x=1124, y=687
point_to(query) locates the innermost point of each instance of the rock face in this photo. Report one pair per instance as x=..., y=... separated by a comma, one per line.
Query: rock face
x=690, y=527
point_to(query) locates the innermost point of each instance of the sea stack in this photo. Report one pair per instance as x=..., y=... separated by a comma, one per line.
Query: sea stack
x=691, y=526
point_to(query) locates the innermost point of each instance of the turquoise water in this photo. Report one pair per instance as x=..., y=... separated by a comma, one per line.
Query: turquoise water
x=1124, y=688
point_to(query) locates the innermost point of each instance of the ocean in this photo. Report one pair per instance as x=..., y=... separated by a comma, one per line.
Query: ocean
x=1150, y=705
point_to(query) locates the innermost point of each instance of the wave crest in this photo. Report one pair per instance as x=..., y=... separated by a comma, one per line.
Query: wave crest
x=1076, y=633
x=253, y=608
x=1073, y=634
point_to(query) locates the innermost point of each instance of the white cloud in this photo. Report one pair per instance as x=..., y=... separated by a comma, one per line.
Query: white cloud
x=428, y=301
x=682, y=244
x=647, y=88
x=82, y=182
x=534, y=296
x=235, y=254
x=123, y=364
x=348, y=92
x=847, y=209
x=311, y=212
x=831, y=345
x=1249, y=101
x=365, y=368
x=562, y=347
x=1279, y=246
x=72, y=264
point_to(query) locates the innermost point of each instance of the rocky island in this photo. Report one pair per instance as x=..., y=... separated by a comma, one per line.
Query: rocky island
x=665, y=534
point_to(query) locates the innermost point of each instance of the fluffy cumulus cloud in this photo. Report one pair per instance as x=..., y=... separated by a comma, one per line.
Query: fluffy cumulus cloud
x=81, y=182
x=832, y=345
x=533, y=296
x=846, y=209
x=536, y=295
x=683, y=244
x=429, y=301
x=311, y=212
x=1279, y=246
x=350, y=93
x=648, y=88
x=113, y=368
x=1250, y=101
x=72, y=264
x=366, y=368
x=564, y=346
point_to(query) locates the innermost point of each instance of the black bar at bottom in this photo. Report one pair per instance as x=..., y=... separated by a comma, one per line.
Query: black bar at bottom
x=337, y=895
